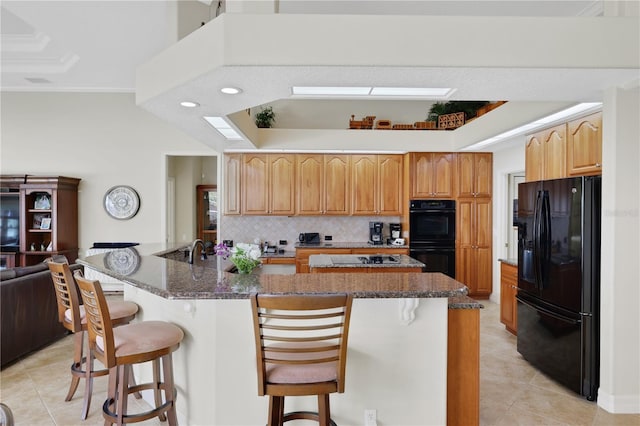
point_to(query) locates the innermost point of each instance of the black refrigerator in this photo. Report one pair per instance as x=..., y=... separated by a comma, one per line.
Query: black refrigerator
x=559, y=279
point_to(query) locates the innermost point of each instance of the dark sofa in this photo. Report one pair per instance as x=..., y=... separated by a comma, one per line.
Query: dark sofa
x=28, y=311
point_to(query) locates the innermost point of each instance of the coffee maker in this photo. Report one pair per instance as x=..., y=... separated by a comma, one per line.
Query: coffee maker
x=395, y=232
x=375, y=233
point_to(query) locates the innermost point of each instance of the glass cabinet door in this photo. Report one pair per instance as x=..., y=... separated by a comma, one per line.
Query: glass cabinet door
x=207, y=215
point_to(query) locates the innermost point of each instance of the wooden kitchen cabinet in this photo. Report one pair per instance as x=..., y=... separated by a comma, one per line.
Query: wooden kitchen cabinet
x=584, y=145
x=463, y=367
x=433, y=175
x=232, y=181
x=323, y=184
x=534, y=158
x=377, y=184
x=473, y=246
x=475, y=171
x=508, y=291
x=546, y=154
x=268, y=184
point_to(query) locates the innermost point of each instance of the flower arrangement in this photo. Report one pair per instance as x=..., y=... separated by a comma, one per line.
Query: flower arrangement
x=245, y=256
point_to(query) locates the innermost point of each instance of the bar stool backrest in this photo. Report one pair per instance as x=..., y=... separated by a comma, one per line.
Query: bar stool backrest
x=299, y=337
x=66, y=295
x=99, y=326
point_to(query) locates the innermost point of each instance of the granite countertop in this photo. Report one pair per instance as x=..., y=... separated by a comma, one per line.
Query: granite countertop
x=354, y=261
x=286, y=254
x=144, y=268
x=509, y=261
x=464, y=302
x=348, y=245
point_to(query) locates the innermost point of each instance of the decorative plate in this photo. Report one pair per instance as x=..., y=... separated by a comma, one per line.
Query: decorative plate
x=121, y=202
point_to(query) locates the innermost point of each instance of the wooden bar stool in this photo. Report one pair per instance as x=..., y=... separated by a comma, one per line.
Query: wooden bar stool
x=72, y=316
x=120, y=347
x=301, y=349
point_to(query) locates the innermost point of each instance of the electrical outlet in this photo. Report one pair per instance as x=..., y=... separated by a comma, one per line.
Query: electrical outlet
x=370, y=418
x=328, y=237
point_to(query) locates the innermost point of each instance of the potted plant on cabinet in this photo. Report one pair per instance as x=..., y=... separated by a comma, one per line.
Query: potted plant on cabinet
x=265, y=118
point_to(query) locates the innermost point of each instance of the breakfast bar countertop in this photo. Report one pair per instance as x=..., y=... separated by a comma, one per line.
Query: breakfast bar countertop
x=144, y=268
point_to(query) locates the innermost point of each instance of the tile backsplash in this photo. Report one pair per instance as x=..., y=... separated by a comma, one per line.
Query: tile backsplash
x=246, y=229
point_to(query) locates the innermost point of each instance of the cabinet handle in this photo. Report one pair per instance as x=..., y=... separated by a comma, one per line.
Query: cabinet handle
x=598, y=165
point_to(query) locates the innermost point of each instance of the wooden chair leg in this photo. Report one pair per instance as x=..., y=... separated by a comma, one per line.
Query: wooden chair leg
x=157, y=395
x=324, y=413
x=169, y=390
x=88, y=385
x=78, y=340
x=121, y=404
x=111, y=394
x=276, y=410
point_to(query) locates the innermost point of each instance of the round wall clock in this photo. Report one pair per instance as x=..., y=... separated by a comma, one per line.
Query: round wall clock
x=121, y=202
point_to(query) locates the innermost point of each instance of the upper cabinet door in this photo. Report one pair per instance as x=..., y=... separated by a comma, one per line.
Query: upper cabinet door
x=364, y=183
x=584, y=145
x=337, y=184
x=433, y=174
x=534, y=157
x=232, y=173
x=282, y=184
x=444, y=174
x=555, y=152
x=255, y=184
x=390, y=185
x=475, y=171
x=310, y=181
x=483, y=170
x=268, y=184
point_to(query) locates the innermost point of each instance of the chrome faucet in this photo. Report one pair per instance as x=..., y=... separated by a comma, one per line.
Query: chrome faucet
x=193, y=247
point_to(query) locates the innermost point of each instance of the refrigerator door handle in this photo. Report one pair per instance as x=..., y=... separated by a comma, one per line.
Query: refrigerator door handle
x=536, y=241
x=545, y=239
x=547, y=311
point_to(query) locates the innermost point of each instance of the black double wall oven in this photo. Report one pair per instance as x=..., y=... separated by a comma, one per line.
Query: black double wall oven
x=432, y=234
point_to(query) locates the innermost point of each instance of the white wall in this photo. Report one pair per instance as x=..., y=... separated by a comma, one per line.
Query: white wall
x=103, y=139
x=620, y=275
x=505, y=161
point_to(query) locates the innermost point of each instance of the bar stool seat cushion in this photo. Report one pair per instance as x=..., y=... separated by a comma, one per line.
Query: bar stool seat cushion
x=117, y=309
x=144, y=337
x=302, y=373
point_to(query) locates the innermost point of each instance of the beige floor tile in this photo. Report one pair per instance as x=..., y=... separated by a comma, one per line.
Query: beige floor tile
x=572, y=410
x=520, y=417
x=604, y=418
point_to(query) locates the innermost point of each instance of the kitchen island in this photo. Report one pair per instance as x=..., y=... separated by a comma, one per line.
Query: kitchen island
x=397, y=359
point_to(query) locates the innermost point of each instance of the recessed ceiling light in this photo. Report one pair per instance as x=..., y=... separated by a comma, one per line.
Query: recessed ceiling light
x=189, y=104
x=230, y=90
x=225, y=129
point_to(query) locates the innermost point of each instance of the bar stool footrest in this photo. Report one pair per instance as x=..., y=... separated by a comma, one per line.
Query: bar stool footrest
x=145, y=415
x=304, y=415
